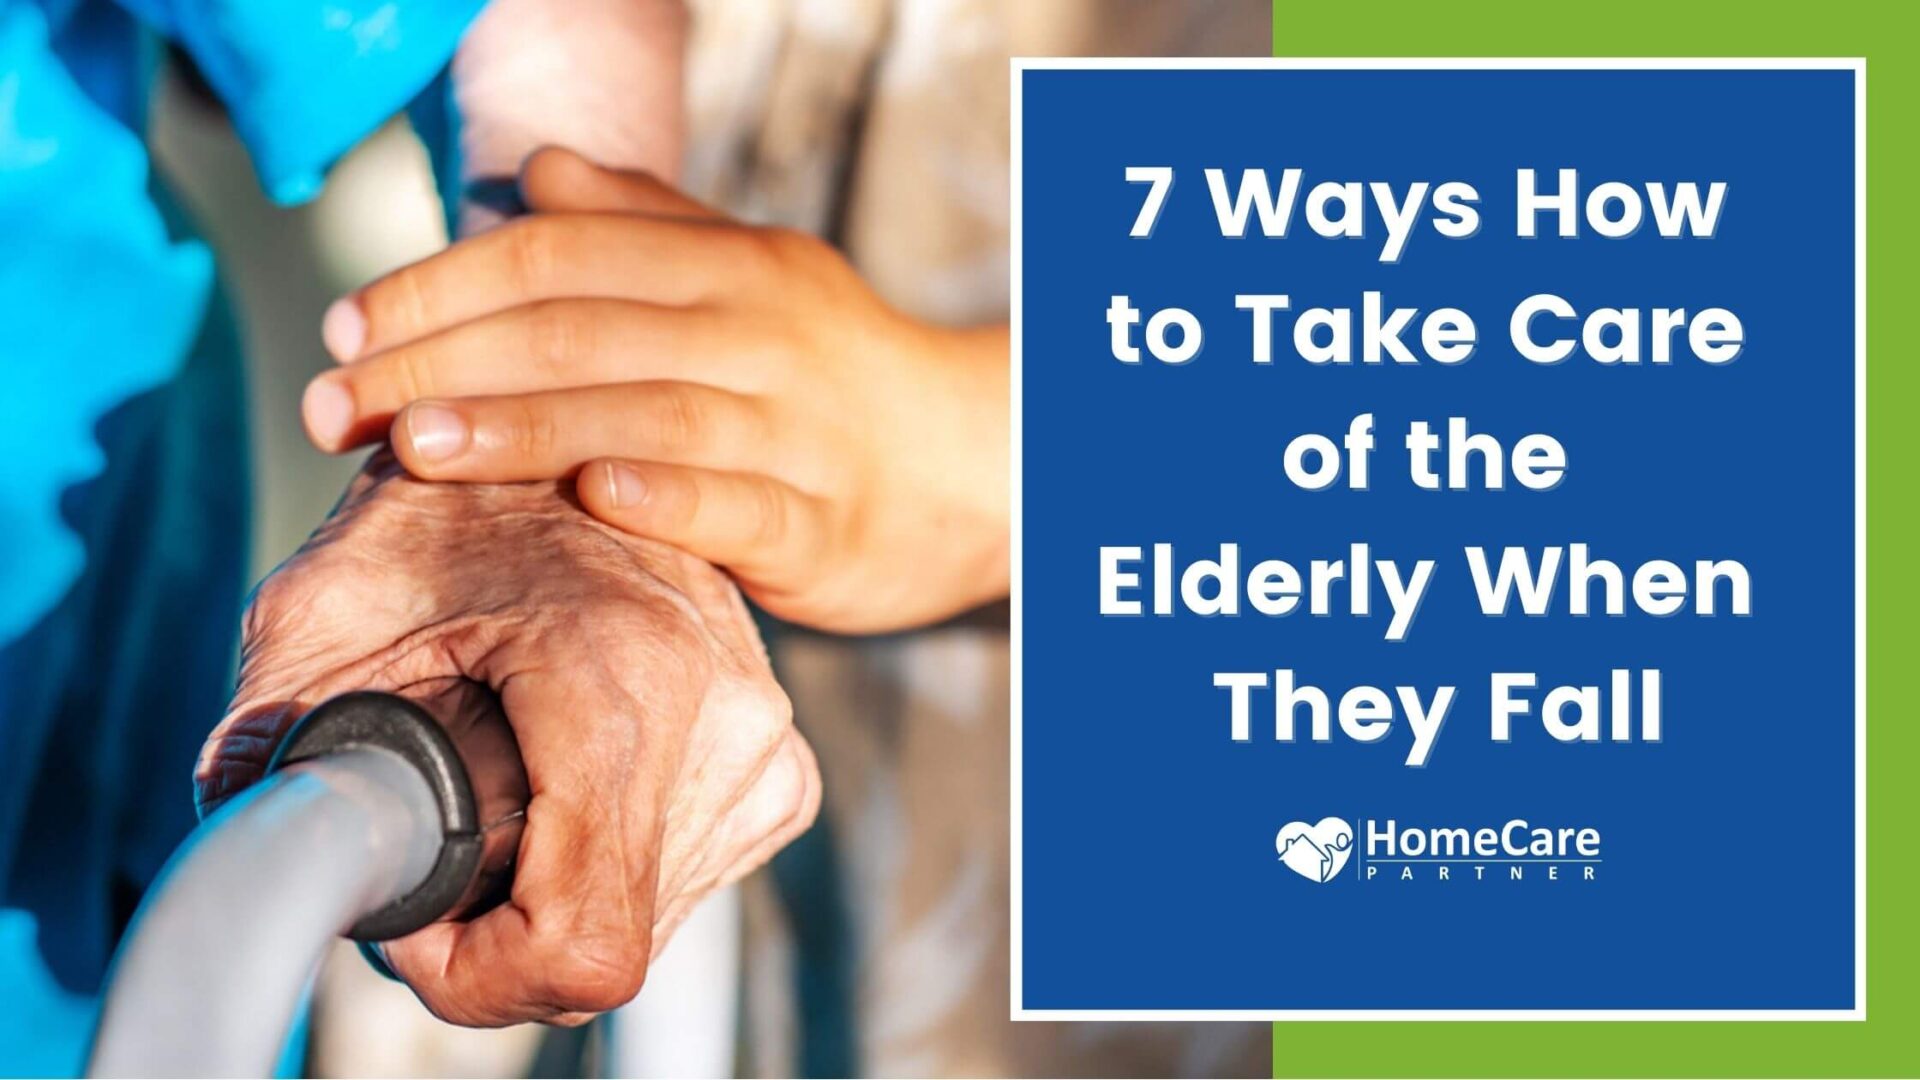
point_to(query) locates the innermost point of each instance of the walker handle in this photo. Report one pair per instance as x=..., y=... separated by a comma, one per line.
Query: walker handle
x=472, y=764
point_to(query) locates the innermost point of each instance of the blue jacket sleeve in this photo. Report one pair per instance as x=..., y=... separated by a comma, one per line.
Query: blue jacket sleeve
x=304, y=80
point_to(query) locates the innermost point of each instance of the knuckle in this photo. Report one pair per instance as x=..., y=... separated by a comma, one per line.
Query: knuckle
x=680, y=418
x=787, y=244
x=769, y=509
x=278, y=599
x=556, y=335
x=772, y=705
x=685, y=509
x=402, y=298
x=784, y=245
x=535, y=432
x=270, y=598
x=412, y=375
x=804, y=795
x=766, y=250
x=755, y=707
x=598, y=973
x=532, y=252
x=796, y=254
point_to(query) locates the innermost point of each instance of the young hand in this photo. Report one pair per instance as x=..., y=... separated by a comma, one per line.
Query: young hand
x=732, y=390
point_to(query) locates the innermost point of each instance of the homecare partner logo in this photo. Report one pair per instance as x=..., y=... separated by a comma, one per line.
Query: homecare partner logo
x=1512, y=851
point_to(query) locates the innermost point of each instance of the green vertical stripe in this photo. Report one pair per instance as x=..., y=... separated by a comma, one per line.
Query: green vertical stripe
x=1887, y=1043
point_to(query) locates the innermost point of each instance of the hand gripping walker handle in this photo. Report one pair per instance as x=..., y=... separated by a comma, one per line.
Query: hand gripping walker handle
x=476, y=776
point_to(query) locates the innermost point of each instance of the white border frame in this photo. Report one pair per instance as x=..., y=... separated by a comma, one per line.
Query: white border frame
x=1022, y=65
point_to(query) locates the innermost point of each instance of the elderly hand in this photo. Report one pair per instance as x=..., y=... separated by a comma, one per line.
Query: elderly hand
x=659, y=750
x=735, y=391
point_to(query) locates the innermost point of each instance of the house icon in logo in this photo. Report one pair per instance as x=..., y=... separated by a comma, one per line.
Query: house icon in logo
x=1315, y=852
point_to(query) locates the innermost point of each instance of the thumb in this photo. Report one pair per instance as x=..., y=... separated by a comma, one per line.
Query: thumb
x=556, y=179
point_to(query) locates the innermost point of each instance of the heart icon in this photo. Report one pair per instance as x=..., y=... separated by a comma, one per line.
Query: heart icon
x=1315, y=852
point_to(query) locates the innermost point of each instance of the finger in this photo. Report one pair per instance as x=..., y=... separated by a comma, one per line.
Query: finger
x=750, y=523
x=777, y=804
x=556, y=179
x=236, y=753
x=575, y=938
x=541, y=346
x=575, y=935
x=781, y=804
x=552, y=433
x=693, y=858
x=539, y=257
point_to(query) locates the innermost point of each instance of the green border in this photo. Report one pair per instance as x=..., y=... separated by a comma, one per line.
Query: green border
x=1887, y=1043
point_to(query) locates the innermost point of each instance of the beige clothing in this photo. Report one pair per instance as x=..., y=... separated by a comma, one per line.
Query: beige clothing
x=884, y=126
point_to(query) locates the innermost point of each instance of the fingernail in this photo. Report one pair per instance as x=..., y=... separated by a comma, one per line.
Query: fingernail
x=327, y=407
x=435, y=432
x=624, y=486
x=343, y=330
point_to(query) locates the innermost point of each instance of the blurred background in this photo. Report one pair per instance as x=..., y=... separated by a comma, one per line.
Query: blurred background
x=378, y=211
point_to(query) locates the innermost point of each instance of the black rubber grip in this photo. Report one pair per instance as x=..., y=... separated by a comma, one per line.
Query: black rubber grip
x=369, y=719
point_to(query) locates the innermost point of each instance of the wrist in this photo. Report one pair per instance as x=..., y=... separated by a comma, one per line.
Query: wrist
x=979, y=469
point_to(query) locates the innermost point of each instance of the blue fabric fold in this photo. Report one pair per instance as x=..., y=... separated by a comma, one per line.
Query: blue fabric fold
x=304, y=80
x=99, y=302
x=122, y=500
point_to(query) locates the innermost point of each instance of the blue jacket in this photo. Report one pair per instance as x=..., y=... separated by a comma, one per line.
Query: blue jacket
x=122, y=439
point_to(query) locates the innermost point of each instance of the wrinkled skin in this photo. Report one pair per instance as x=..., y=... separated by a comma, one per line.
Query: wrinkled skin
x=659, y=750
